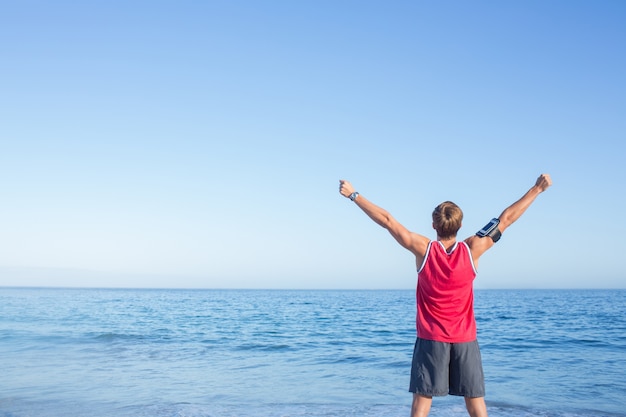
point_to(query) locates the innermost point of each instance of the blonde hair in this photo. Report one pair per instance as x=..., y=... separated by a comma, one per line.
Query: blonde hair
x=447, y=219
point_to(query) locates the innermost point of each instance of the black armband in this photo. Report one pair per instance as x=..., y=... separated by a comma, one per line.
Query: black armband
x=491, y=229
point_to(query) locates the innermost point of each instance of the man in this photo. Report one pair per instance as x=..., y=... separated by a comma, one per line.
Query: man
x=446, y=357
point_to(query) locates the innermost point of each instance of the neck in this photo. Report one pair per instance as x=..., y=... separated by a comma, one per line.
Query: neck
x=447, y=243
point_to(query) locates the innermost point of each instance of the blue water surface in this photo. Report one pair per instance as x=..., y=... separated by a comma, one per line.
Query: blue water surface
x=122, y=352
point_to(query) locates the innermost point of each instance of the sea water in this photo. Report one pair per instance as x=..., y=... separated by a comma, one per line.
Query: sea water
x=239, y=353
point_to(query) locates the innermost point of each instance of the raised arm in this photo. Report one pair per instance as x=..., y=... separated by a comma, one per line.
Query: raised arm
x=515, y=210
x=414, y=242
x=479, y=245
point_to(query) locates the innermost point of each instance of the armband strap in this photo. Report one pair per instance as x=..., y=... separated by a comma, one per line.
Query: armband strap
x=495, y=234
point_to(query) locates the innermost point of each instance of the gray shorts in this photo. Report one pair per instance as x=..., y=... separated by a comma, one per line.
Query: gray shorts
x=447, y=368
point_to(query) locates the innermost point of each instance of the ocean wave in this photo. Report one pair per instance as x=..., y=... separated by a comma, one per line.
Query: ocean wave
x=113, y=337
x=264, y=347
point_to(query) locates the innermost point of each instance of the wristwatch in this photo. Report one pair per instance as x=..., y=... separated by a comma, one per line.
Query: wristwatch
x=353, y=196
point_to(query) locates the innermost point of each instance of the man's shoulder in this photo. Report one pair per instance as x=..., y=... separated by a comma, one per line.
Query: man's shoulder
x=478, y=245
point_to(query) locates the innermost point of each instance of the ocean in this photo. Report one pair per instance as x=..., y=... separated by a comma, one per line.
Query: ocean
x=304, y=353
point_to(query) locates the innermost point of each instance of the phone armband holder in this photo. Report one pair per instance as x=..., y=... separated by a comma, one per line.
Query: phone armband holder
x=491, y=229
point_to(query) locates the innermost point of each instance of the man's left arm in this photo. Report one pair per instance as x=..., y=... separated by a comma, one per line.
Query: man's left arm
x=414, y=242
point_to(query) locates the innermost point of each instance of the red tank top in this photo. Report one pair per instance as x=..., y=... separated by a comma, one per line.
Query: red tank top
x=445, y=297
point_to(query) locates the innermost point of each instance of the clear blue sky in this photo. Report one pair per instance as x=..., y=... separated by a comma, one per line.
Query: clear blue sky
x=200, y=144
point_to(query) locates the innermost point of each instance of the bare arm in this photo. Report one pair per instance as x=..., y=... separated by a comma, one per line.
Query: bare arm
x=509, y=216
x=515, y=210
x=414, y=242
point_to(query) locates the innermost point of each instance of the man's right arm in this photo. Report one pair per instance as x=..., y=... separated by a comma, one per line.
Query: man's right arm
x=480, y=245
x=515, y=210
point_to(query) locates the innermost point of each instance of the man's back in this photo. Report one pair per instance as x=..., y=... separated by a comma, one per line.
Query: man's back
x=444, y=294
